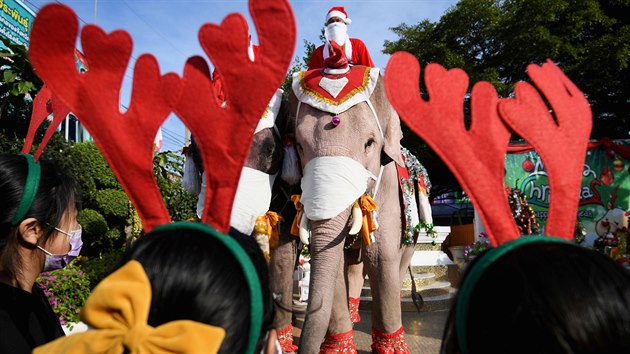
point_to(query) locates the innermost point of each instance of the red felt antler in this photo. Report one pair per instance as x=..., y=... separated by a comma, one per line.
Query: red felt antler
x=124, y=138
x=41, y=110
x=476, y=156
x=224, y=135
x=561, y=145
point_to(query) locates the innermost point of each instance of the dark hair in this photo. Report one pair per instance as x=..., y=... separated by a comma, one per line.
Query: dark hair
x=57, y=193
x=195, y=277
x=547, y=298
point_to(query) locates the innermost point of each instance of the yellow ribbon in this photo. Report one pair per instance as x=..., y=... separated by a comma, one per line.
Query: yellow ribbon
x=367, y=205
x=267, y=224
x=118, y=310
x=295, y=227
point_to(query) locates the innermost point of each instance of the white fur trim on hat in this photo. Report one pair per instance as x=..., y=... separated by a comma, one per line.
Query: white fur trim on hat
x=341, y=15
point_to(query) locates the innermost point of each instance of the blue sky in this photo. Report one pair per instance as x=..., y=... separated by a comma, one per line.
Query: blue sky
x=168, y=29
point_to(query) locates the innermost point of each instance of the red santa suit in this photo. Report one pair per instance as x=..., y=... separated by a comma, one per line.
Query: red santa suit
x=354, y=48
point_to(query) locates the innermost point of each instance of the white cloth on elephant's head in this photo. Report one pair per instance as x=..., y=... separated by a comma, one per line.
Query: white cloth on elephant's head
x=268, y=118
x=252, y=199
x=331, y=184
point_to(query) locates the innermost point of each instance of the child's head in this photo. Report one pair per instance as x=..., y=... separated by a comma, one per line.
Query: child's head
x=542, y=297
x=194, y=276
x=183, y=287
x=54, y=205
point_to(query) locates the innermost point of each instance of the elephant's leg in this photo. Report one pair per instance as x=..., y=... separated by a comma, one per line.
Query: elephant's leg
x=327, y=240
x=355, y=279
x=383, y=260
x=281, y=268
x=407, y=254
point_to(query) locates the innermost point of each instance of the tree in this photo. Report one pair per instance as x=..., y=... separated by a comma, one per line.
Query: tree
x=297, y=66
x=18, y=86
x=495, y=40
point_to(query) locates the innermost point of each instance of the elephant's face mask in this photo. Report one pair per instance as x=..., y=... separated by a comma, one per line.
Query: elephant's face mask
x=331, y=184
x=252, y=199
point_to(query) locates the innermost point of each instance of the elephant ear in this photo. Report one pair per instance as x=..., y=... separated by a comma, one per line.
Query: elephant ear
x=390, y=122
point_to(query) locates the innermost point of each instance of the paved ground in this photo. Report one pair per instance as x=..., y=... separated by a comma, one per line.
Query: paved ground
x=423, y=331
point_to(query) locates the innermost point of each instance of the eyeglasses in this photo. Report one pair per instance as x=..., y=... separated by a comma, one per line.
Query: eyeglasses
x=71, y=233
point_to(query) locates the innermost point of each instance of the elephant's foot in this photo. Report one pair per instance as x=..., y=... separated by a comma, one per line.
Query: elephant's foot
x=389, y=343
x=339, y=343
x=353, y=306
x=285, y=337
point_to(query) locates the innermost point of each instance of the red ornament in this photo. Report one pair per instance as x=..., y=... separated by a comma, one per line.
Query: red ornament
x=606, y=176
x=528, y=165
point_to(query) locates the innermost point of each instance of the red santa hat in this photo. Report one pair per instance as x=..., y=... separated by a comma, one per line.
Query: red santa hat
x=338, y=11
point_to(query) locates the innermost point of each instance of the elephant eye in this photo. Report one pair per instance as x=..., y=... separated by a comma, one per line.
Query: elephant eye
x=369, y=143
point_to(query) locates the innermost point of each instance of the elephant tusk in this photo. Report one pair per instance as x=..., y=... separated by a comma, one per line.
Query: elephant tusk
x=357, y=220
x=305, y=233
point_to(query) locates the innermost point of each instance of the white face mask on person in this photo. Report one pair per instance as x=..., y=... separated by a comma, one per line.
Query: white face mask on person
x=58, y=261
x=331, y=184
x=336, y=31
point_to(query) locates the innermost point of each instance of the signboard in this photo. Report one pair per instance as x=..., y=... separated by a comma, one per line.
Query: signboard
x=16, y=20
x=604, y=197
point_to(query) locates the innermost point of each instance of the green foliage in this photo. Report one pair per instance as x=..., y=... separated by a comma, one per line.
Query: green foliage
x=66, y=289
x=18, y=85
x=92, y=222
x=113, y=204
x=91, y=171
x=98, y=267
x=168, y=170
x=94, y=228
x=495, y=40
x=297, y=66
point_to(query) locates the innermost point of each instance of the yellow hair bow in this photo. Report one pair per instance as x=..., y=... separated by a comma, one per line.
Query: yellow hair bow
x=118, y=310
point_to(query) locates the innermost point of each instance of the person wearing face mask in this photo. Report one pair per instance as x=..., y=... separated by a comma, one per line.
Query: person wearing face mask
x=336, y=29
x=38, y=232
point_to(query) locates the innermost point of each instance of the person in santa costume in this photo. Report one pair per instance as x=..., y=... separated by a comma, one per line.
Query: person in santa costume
x=336, y=29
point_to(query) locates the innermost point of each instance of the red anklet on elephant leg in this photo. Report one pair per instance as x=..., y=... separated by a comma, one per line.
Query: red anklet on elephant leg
x=389, y=343
x=339, y=343
x=285, y=337
x=353, y=306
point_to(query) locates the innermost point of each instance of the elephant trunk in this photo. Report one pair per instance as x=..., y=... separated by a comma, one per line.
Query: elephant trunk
x=327, y=241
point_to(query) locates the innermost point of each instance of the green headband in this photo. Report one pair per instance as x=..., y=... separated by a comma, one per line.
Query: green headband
x=249, y=271
x=30, y=189
x=475, y=273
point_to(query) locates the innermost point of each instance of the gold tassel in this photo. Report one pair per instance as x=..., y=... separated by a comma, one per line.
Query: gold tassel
x=369, y=223
x=295, y=227
x=267, y=225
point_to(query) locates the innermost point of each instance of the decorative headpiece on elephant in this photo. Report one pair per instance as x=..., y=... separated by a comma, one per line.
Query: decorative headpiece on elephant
x=126, y=138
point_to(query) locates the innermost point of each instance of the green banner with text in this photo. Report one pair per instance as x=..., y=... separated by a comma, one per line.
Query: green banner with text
x=604, y=197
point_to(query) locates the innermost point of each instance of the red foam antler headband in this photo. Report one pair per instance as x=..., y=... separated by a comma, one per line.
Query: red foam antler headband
x=40, y=112
x=126, y=138
x=224, y=135
x=477, y=156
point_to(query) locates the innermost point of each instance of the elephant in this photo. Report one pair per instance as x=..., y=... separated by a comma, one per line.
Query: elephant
x=262, y=165
x=347, y=136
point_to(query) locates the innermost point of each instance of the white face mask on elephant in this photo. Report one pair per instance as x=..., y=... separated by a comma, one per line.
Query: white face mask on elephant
x=252, y=199
x=331, y=184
